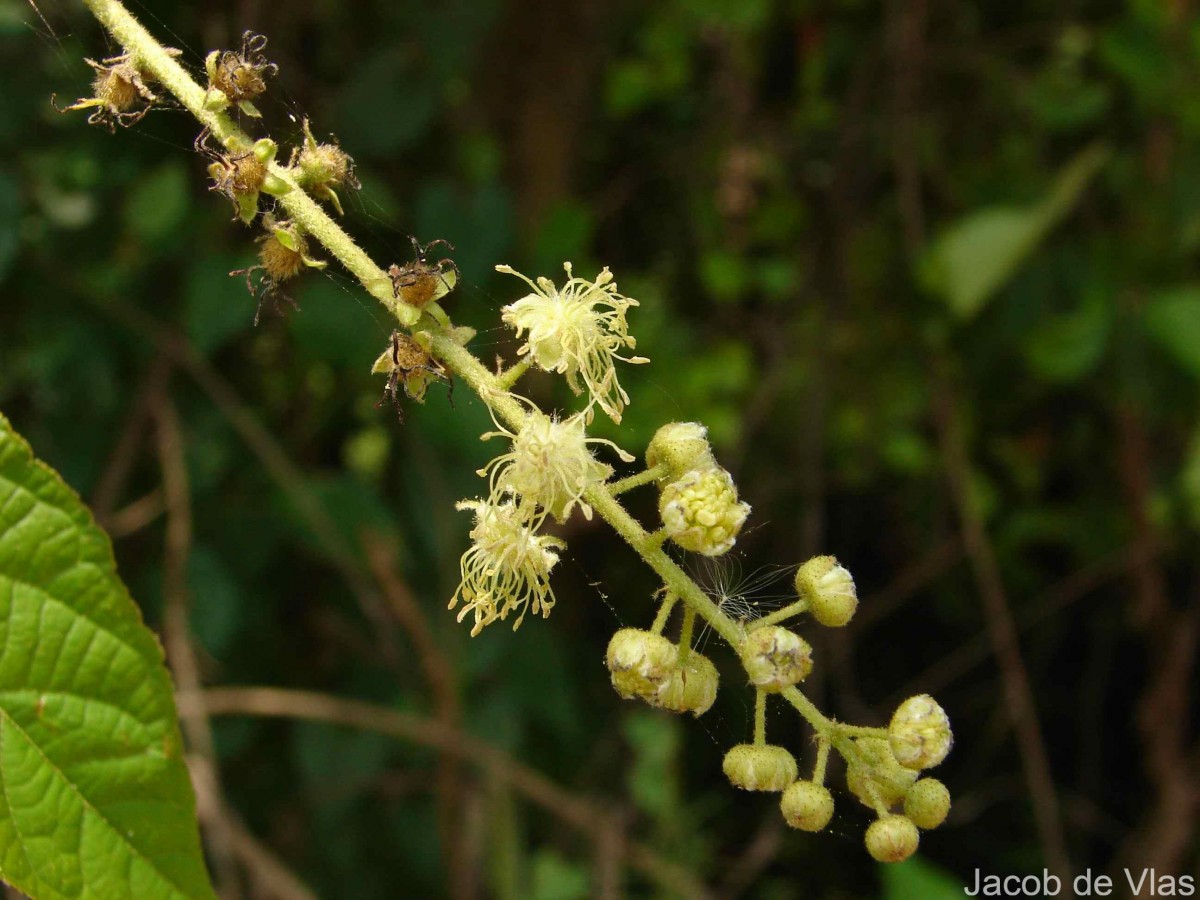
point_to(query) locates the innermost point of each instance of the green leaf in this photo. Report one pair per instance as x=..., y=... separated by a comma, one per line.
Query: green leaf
x=917, y=878
x=95, y=799
x=977, y=255
x=159, y=202
x=1173, y=319
x=1069, y=346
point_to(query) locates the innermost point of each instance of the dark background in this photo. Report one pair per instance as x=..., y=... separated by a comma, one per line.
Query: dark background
x=773, y=181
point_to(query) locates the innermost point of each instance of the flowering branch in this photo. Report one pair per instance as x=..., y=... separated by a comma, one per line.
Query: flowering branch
x=578, y=330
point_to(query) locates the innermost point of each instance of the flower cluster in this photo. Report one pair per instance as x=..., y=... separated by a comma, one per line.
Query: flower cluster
x=579, y=331
x=506, y=569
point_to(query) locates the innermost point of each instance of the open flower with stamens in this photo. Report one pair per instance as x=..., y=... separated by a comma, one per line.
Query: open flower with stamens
x=577, y=330
x=507, y=567
x=550, y=464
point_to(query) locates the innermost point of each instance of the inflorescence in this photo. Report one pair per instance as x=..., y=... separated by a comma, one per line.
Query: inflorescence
x=549, y=468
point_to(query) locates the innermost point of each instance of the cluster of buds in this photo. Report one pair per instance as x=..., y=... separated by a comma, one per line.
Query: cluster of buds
x=883, y=765
x=698, y=501
x=649, y=667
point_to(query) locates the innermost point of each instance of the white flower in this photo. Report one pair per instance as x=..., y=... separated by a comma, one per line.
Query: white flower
x=578, y=331
x=549, y=465
x=507, y=567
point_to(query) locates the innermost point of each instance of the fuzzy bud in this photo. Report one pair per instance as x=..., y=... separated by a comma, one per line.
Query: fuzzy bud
x=640, y=662
x=322, y=168
x=892, y=839
x=876, y=773
x=927, y=803
x=776, y=658
x=807, y=806
x=701, y=511
x=692, y=687
x=759, y=767
x=828, y=591
x=680, y=447
x=919, y=733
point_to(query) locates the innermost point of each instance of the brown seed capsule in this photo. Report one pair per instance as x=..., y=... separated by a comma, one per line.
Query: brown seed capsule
x=410, y=366
x=420, y=282
x=120, y=92
x=241, y=75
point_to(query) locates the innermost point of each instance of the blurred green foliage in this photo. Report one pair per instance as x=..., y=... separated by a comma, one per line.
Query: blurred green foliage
x=833, y=214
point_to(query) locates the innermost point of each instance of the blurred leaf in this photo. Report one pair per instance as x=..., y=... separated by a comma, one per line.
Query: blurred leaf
x=216, y=306
x=1189, y=480
x=977, y=255
x=555, y=878
x=1173, y=319
x=387, y=103
x=10, y=222
x=1070, y=345
x=724, y=275
x=342, y=327
x=915, y=877
x=95, y=797
x=654, y=777
x=158, y=202
x=217, y=601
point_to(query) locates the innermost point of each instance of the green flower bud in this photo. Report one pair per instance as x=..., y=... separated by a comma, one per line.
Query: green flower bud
x=892, y=839
x=701, y=511
x=806, y=806
x=640, y=662
x=919, y=733
x=775, y=658
x=927, y=803
x=681, y=447
x=691, y=687
x=877, y=769
x=759, y=767
x=828, y=591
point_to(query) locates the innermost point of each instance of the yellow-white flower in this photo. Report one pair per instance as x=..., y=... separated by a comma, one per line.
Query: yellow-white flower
x=579, y=331
x=507, y=567
x=550, y=464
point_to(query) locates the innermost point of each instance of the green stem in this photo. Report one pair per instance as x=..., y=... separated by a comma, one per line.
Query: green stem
x=637, y=480
x=822, y=759
x=664, y=613
x=760, y=718
x=300, y=206
x=792, y=609
x=506, y=379
x=685, y=634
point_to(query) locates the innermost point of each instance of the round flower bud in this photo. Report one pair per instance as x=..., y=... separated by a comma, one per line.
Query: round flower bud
x=828, y=590
x=759, y=767
x=641, y=662
x=691, y=687
x=775, y=658
x=892, y=839
x=681, y=447
x=877, y=769
x=701, y=511
x=920, y=733
x=927, y=803
x=806, y=806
